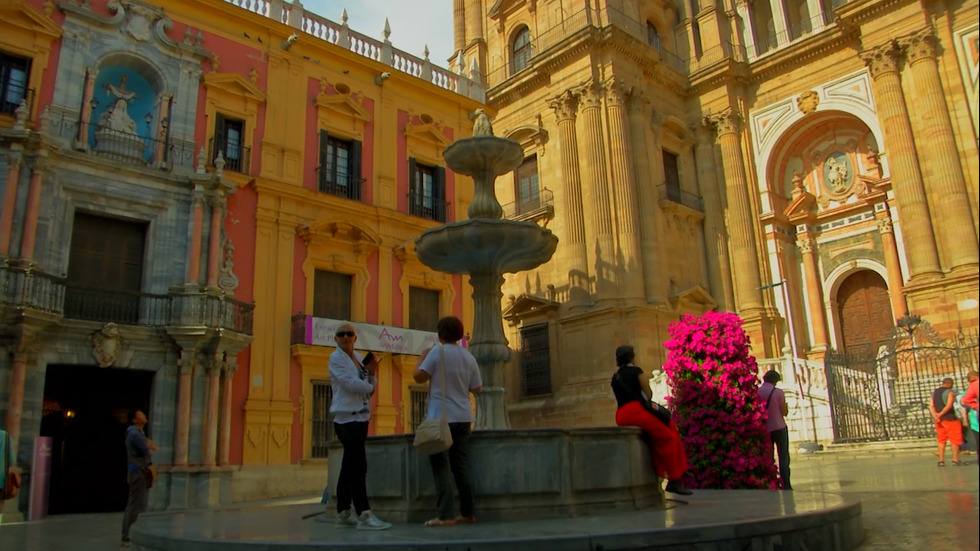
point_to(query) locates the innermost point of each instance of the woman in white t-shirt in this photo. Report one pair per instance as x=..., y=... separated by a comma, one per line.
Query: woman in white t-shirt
x=462, y=377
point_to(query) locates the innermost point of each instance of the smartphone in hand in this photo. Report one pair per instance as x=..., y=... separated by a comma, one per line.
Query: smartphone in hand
x=368, y=359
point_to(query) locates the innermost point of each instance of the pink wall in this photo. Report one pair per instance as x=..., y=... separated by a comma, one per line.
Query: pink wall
x=240, y=227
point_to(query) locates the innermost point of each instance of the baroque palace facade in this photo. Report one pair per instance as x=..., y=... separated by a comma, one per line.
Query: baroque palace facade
x=193, y=199
x=809, y=164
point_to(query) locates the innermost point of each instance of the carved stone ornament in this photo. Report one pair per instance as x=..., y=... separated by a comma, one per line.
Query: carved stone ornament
x=565, y=106
x=107, y=345
x=808, y=102
x=882, y=59
x=726, y=122
x=923, y=44
x=227, y=280
x=885, y=225
x=837, y=172
x=138, y=22
x=805, y=244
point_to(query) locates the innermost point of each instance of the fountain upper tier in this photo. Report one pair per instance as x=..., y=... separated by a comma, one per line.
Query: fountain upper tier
x=481, y=246
x=484, y=158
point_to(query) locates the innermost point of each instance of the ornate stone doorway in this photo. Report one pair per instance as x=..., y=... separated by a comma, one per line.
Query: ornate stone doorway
x=865, y=312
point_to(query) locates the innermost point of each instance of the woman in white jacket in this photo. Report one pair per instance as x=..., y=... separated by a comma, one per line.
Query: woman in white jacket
x=353, y=381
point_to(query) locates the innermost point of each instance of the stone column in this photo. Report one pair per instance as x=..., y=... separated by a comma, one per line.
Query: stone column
x=646, y=195
x=941, y=166
x=779, y=23
x=600, y=213
x=23, y=355
x=214, y=239
x=210, y=436
x=474, y=21
x=715, y=235
x=14, y=161
x=33, y=209
x=630, y=280
x=182, y=433
x=745, y=262
x=814, y=291
x=227, y=390
x=197, y=215
x=920, y=242
x=896, y=286
x=459, y=25
x=85, y=119
x=573, y=242
x=743, y=10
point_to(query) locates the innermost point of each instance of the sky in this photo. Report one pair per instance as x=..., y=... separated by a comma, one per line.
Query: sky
x=414, y=23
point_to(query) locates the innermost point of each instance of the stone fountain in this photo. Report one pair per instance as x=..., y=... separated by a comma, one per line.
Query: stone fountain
x=485, y=247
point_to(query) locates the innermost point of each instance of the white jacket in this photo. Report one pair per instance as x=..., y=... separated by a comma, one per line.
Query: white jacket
x=352, y=386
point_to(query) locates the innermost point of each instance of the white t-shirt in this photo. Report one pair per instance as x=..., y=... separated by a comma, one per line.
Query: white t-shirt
x=462, y=374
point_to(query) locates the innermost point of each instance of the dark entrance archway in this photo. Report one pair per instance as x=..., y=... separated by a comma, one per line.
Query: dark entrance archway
x=85, y=410
x=865, y=312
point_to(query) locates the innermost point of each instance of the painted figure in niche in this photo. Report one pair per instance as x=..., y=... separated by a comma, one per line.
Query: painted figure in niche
x=837, y=172
x=116, y=116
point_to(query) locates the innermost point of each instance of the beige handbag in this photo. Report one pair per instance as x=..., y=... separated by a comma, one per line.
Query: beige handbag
x=432, y=435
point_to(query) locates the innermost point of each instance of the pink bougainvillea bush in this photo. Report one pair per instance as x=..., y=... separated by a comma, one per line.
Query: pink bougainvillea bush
x=714, y=384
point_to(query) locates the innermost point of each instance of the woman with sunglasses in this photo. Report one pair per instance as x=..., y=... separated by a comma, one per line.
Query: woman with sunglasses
x=353, y=379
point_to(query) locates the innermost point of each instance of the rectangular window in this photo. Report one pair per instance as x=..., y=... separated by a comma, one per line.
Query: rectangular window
x=423, y=309
x=331, y=295
x=339, y=172
x=419, y=395
x=105, y=269
x=229, y=140
x=322, y=427
x=427, y=191
x=535, y=360
x=672, y=177
x=14, y=74
x=526, y=176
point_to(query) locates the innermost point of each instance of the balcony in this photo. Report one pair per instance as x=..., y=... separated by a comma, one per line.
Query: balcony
x=340, y=184
x=237, y=158
x=541, y=207
x=15, y=96
x=26, y=289
x=427, y=206
x=122, y=147
x=673, y=194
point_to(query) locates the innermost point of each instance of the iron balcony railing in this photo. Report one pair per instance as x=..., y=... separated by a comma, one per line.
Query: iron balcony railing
x=123, y=147
x=237, y=158
x=32, y=289
x=15, y=95
x=676, y=195
x=297, y=329
x=425, y=206
x=542, y=204
x=339, y=183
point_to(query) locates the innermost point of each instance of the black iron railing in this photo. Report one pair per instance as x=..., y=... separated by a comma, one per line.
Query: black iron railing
x=36, y=290
x=541, y=203
x=322, y=425
x=339, y=183
x=15, y=95
x=677, y=195
x=123, y=147
x=237, y=158
x=425, y=206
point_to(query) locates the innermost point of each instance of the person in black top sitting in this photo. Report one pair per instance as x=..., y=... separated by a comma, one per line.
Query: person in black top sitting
x=634, y=409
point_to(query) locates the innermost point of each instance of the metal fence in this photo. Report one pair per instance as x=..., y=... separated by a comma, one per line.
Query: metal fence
x=322, y=426
x=885, y=395
x=419, y=396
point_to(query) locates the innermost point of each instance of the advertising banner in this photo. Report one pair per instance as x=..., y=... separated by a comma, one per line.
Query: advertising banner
x=377, y=338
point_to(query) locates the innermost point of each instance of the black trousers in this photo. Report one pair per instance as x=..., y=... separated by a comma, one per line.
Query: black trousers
x=137, y=502
x=780, y=439
x=454, y=459
x=352, y=482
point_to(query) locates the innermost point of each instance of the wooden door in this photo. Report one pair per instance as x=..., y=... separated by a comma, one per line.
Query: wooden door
x=865, y=312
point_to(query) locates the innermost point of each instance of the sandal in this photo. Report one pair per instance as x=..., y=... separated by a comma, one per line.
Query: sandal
x=465, y=520
x=439, y=522
x=941, y=464
x=958, y=463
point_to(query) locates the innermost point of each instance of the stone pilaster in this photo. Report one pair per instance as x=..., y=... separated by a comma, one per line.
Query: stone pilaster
x=572, y=243
x=715, y=234
x=920, y=242
x=186, y=366
x=214, y=238
x=197, y=229
x=745, y=263
x=224, y=435
x=745, y=24
x=209, y=440
x=38, y=168
x=943, y=175
x=630, y=280
x=646, y=196
x=599, y=211
x=25, y=353
x=814, y=291
x=459, y=25
x=88, y=93
x=896, y=287
x=14, y=161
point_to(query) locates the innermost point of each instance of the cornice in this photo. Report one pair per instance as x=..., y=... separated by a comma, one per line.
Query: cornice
x=798, y=53
x=857, y=11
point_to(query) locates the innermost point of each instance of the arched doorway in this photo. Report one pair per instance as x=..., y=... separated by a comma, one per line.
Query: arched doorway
x=864, y=311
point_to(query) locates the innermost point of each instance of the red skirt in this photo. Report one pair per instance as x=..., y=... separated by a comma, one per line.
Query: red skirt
x=666, y=450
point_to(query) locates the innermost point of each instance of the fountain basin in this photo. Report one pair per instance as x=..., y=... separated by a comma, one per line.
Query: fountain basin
x=516, y=474
x=485, y=246
x=482, y=154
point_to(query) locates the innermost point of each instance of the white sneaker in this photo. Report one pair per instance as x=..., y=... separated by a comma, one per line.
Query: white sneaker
x=367, y=521
x=347, y=518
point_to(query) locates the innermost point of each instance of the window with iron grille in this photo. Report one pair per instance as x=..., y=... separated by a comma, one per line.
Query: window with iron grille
x=653, y=36
x=528, y=194
x=423, y=309
x=672, y=175
x=339, y=172
x=427, y=191
x=419, y=394
x=520, y=50
x=14, y=73
x=535, y=360
x=331, y=295
x=229, y=140
x=322, y=427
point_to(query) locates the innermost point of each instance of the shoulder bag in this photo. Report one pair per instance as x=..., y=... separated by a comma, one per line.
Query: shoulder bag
x=432, y=435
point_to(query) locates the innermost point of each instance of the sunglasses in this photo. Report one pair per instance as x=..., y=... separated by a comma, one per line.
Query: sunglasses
x=345, y=334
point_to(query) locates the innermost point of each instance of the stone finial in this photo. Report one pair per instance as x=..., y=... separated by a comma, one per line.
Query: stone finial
x=387, y=32
x=202, y=161
x=199, y=39
x=426, y=52
x=482, y=126
x=20, y=115
x=187, y=35
x=343, y=17
x=461, y=64
x=45, y=121
x=474, y=70
x=219, y=164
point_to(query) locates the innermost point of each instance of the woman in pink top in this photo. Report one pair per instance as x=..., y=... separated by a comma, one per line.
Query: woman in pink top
x=777, y=410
